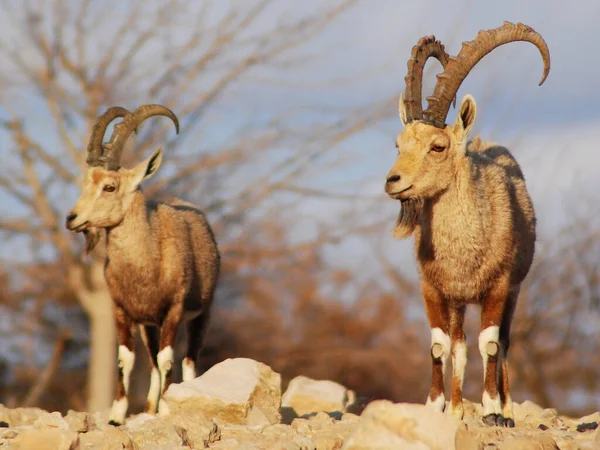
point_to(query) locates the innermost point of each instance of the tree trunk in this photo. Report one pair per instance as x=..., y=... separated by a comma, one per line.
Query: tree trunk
x=95, y=299
x=103, y=353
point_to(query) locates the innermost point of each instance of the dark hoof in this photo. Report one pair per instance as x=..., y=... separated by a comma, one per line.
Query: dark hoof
x=587, y=426
x=493, y=420
x=113, y=423
x=509, y=423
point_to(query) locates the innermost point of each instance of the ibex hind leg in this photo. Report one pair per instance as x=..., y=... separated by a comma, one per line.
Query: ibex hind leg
x=459, y=359
x=196, y=331
x=150, y=336
x=507, y=405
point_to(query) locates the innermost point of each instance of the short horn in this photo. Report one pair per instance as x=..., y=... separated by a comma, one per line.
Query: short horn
x=94, y=148
x=122, y=131
x=425, y=48
x=470, y=54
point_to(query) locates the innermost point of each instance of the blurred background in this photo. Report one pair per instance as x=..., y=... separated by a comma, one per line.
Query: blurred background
x=289, y=118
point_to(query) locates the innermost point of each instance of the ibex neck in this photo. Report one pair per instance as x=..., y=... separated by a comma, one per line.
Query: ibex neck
x=133, y=232
x=463, y=186
x=459, y=202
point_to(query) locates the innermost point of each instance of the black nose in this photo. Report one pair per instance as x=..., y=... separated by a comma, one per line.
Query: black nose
x=392, y=179
x=71, y=217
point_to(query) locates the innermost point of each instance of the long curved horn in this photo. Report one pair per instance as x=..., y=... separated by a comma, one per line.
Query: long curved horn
x=470, y=54
x=114, y=148
x=94, y=148
x=425, y=48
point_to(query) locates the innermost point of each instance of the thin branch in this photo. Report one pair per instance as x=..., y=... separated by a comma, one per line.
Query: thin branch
x=43, y=382
x=22, y=140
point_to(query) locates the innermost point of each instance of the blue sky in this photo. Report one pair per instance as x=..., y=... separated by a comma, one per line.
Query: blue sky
x=552, y=129
x=361, y=59
x=376, y=37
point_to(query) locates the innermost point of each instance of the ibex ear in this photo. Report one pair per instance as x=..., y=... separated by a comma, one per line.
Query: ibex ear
x=92, y=236
x=146, y=169
x=466, y=117
x=402, y=110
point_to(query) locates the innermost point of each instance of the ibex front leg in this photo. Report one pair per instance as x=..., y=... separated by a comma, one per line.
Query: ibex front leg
x=126, y=360
x=492, y=313
x=459, y=359
x=437, y=313
x=196, y=330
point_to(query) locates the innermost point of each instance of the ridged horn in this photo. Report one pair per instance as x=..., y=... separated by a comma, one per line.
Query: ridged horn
x=425, y=48
x=94, y=148
x=470, y=54
x=113, y=149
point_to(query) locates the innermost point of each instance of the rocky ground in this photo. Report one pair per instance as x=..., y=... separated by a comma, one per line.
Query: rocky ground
x=238, y=405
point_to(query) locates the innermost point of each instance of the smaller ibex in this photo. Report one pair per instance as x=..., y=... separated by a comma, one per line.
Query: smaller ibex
x=471, y=215
x=162, y=261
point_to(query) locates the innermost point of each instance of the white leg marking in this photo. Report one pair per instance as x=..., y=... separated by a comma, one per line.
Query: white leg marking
x=491, y=405
x=438, y=404
x=441, y=339
x=459, y=360
x=163, y=408
x=165, y=363
x=119, y=410
x=126, y=361
x=490, y=334
x=154, y=390
x=507, y=408
x=188, y=369
x=459, y=363
x=119, y=406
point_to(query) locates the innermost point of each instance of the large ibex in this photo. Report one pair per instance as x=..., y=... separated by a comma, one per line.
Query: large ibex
x=162, y=261
x=474, y=225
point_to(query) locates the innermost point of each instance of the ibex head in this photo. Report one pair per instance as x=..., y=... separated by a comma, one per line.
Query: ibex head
x=108, y=188
x=428, y=148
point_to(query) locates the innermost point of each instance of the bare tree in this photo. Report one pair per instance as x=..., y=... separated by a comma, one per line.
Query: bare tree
x=64, y=62
x=298, y=320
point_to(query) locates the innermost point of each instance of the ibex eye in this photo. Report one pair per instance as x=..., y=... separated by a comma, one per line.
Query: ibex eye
x=109, y=188
x=437, y=148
